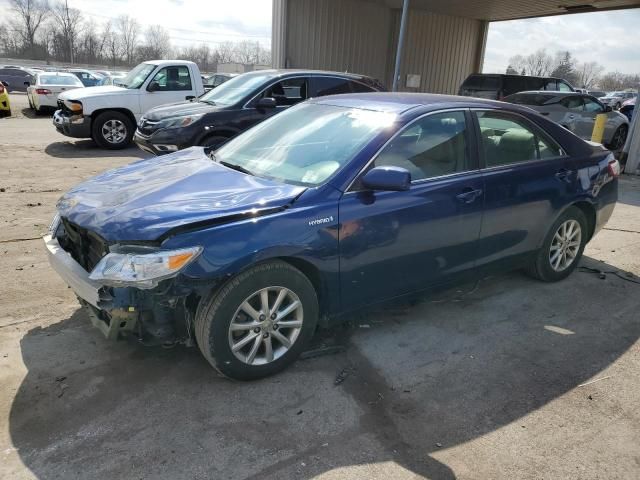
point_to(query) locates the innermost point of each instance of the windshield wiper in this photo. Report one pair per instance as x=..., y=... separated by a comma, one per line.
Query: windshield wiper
x=233, y=166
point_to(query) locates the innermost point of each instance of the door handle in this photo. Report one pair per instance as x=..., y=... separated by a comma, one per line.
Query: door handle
x=564, y=175
x=469, y=195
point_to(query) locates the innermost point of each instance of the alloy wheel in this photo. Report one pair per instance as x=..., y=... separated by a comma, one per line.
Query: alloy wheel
x=619, y=138
x=114, y=131
x=265, y=325
x=565, y=245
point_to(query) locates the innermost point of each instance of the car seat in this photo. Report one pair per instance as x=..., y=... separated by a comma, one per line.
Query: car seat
x=516, y=145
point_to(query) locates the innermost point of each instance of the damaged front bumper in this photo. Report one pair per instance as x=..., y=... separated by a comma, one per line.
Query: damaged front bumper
x=75, y=126
x=152, y=315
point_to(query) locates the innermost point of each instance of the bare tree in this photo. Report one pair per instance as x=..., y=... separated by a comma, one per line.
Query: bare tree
x=517, y=62
x=30, y=16
x=68, y=21
x=246, y=52
x=539, y=63
x=157, y=43
x=589, y=73
x=112, y=44
x=225, y=52
x=128, y=29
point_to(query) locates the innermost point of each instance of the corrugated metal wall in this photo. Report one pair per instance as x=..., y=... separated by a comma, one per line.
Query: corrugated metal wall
x=341, y=35
x=442, y=49
x=361, y=36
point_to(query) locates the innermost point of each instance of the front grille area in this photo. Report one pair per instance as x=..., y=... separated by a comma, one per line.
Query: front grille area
x=86, y=248
x=147, y=127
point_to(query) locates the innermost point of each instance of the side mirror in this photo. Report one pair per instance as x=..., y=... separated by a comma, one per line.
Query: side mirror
x=266, y=102
x=153, y=87
x=608, y=109
x=26, y=84
x=394, y=179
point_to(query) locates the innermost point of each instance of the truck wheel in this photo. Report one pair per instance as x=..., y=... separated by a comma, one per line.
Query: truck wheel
x=562, y=248
x=214, y=141
x=259, y=322
x=112, y=130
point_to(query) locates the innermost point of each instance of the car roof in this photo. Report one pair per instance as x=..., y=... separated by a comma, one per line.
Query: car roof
x=398, y=103
x=60, y=74
x=275, y=73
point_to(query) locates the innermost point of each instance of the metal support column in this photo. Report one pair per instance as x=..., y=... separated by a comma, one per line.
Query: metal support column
x=631, y=151
x=403, y=28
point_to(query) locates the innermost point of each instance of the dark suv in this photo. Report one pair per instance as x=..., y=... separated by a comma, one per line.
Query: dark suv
x=238, y=104
x=496, y=86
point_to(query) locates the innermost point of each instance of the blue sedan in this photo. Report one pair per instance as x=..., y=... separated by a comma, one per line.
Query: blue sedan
x=336, y=204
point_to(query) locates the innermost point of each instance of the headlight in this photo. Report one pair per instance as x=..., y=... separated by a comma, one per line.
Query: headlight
x=73, y=105
x=142, y=270
x=179, y=121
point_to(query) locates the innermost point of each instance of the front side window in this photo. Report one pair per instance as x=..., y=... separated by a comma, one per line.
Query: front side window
x=572, y=103
x=287, y=92
x=563, y=87
x=173, y=79
x=433, y=146
x=306, y=144
x=136, y=77
x=507, y=139
x=592, y=106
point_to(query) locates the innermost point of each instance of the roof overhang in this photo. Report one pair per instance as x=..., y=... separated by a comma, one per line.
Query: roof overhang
x=496, y=10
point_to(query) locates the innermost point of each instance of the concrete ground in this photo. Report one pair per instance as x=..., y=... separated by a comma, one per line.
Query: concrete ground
x=507, y=379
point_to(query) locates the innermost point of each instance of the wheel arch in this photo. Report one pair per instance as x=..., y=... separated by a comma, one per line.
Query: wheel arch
x=124, y=111
x=589, y=211
x=218, y=132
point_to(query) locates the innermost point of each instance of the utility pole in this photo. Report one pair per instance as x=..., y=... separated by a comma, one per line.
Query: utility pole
x=69, y=31
x=403, y=28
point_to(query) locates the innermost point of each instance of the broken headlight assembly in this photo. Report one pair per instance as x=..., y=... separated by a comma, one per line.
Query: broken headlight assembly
x=140, y=267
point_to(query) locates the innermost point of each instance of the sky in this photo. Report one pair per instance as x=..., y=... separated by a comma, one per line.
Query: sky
x=188, y=21
x=609, y=38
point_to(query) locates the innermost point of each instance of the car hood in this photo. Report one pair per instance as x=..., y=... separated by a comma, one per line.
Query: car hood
x=82, y=93
x=179, y=109
x=142, y=201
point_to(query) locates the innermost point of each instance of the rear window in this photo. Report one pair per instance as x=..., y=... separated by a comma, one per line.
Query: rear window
x=535, y=99
x=481, y=82
x=58, y=80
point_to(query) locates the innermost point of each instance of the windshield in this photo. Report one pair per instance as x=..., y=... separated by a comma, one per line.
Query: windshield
x=136, y=77
x=615, y=94
x=235, y=89
x=306, y=144
x=58, y=80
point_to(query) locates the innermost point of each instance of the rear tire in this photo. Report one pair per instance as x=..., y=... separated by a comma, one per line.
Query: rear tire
x=112, y=130
x=243, y=334
x=619, y=138
x=562, y=249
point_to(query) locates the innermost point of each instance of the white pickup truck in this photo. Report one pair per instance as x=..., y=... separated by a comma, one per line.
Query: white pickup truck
x=109, y=114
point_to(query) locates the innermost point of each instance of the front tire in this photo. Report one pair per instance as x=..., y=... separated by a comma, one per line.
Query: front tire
x=259, y=322
x=562, y=248
x=112, y=130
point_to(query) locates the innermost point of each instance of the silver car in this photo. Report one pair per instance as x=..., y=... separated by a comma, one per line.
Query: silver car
x=577, y=113
x=616, y=99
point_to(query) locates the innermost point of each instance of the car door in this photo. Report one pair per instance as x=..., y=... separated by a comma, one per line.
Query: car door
x=570, y=113
x=526, y=176
x=170, y=84
x=592, y=108
x=393, y=243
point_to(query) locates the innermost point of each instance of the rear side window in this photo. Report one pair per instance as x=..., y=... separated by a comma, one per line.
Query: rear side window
x=357, y=87
x=433, y=146
x=535, y=99
x=506, y=139
x=331, y=86
x=551, y=85
x=482, y=82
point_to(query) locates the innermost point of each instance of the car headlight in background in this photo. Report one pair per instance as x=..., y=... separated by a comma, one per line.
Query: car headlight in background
x=179, y=121
x=141, y=268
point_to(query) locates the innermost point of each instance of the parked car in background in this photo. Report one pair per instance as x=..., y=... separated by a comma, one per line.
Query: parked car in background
x=338, y=203
x=5, y=104
x=108, y=114
x=238, y=104
x=16, y=77
x=615, y=99
x=217, y=79
x=48, y=85
x=577, y=113
x=87, y=77
x=112, y=77
x=628, y=107
x=596, y=93
x=497, y=86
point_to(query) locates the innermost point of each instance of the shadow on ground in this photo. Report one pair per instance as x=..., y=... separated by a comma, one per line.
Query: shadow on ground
x=439, y=373
x=88, y=148
x=43, y=113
